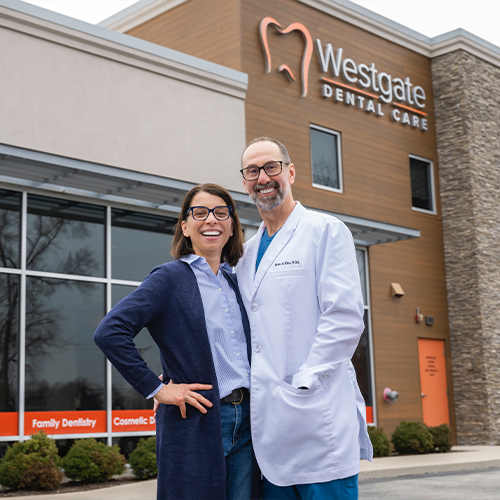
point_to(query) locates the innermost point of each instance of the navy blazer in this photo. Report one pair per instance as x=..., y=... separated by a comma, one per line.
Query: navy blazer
x=189, y=452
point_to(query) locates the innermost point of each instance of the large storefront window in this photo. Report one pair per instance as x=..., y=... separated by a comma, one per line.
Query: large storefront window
x=10, y=237
x=63, y=365
x=9, y=339
x=10, y=228
x=65, y=237
x=139, y=242
x=124, y=396
x=71, y=267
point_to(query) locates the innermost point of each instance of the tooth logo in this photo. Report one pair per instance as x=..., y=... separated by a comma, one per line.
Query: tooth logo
x=306, y=56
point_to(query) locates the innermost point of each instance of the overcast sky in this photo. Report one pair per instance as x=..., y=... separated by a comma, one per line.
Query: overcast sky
x=429, y=17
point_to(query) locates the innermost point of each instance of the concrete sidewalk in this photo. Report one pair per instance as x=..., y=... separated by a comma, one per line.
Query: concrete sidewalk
x=460, y=458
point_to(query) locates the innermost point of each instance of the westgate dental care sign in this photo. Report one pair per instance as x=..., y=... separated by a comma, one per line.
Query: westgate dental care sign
x=363, y=87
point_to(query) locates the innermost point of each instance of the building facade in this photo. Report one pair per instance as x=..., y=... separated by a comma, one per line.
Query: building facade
x=106, y=127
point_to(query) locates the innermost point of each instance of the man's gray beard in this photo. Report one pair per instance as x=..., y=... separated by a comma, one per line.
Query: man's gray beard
x=270, y=202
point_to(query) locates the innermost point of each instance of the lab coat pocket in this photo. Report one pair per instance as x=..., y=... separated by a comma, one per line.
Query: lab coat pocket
x=298, y=392
x=298, y=426
x=287, y=273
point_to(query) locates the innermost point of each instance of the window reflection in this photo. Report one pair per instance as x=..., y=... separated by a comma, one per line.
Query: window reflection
x=361, y=358
x=324, y=152
x=9, y=338
x=139, y=242
x=10, y=228
x=124, y=396
x=360, y=257
x=361, y=362
x=64, y=367
x=65, y=236
x=421, y=187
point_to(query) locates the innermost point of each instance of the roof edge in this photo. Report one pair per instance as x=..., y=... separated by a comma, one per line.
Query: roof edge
x=347, y=11
x=138, y=13
x=125, y=41
x=461, y=39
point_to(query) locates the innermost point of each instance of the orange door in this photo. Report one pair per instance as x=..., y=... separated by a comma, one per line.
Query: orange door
x=433, y=384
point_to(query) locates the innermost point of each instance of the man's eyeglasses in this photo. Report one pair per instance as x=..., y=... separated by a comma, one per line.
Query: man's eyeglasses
x=271, y=169
x=202, y=213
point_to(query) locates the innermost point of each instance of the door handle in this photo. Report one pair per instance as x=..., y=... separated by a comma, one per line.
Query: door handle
x=423, y=395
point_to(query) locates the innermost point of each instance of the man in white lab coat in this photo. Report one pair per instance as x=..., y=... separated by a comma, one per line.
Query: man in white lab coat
x=300, y=285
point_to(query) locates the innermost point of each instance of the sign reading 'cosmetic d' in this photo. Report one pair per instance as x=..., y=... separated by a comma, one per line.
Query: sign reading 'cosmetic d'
x=356, y=84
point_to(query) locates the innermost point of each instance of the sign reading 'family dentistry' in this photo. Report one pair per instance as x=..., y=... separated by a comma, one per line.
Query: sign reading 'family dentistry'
x=355, y=84
x=87, y=422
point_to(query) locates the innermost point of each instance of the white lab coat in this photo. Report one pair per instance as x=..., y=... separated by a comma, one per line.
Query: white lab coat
x=306, y=316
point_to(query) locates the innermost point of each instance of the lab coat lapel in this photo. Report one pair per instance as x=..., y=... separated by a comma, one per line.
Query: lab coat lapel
x=246, y=266
x=276, y=246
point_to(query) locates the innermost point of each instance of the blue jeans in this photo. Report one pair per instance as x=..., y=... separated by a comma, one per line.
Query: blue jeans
x=237, y=443
x=338, y=489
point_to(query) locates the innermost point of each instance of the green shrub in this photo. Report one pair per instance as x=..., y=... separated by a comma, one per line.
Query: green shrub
x=32, y=464
x=380, y=441
x=442, y=438
x=143, y=458
x=90, y=461
x=412, y=438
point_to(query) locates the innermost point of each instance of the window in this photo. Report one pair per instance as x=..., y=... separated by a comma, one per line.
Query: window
x=58, y=277
x=362, y=359
x=64, y=367
x=125, y=397
x=422, y=187
x=325, y=159
x=10, y=237
x=139, y=243
x=65, y=237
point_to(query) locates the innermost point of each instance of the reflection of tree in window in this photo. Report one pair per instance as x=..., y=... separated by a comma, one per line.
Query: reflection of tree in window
x=9, y=328
x=325, y=173
x=10, y=227
x=324, y=155
x=43, y=323
x=61, y=358
x=46, y=231
x=65, y=237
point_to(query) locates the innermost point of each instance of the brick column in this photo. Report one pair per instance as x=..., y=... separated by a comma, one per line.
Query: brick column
x=467, y=101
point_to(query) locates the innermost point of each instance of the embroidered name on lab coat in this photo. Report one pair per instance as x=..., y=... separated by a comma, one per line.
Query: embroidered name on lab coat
x=287, y=263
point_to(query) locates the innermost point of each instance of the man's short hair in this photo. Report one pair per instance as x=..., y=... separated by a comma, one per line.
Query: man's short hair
x=284, y=153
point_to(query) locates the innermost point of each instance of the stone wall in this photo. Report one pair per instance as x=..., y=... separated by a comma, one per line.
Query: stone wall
x=467, y=101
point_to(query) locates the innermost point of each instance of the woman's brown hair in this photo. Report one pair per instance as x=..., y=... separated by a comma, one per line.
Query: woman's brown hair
x=233, y=249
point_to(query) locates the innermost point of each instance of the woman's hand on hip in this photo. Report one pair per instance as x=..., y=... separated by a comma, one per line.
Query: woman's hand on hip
x=180, y=394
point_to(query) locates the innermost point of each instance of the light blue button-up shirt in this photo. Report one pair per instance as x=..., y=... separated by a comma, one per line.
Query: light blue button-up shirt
x=224, y=326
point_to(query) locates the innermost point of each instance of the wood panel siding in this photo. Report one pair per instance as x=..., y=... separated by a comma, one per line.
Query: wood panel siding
x=206, y=29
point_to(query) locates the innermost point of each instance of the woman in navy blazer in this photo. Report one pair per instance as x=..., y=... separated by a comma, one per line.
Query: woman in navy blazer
x=191, y=457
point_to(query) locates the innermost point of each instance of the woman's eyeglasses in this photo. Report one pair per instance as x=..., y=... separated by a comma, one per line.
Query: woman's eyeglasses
x=202, y=213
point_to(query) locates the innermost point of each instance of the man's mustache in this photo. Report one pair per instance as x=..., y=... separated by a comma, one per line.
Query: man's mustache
x=260, y=187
